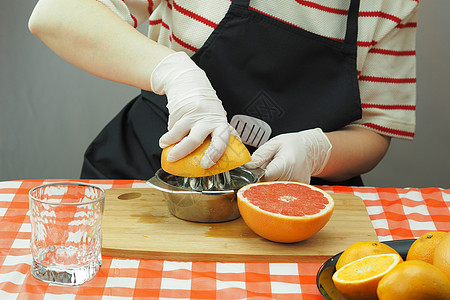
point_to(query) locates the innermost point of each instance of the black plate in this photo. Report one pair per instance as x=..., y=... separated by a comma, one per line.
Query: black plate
x=325, y=283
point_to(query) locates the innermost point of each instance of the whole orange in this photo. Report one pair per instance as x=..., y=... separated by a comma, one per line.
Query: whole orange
x=414, y=279
x=423, y=248
x=442, y=255
x=362, y=249
x=284, y=211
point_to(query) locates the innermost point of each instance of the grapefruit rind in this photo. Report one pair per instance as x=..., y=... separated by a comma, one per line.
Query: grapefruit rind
x=235, y=155
x=281, y=228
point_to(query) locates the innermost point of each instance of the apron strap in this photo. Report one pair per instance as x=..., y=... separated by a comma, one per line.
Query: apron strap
x=351, y=34
x=242, y=3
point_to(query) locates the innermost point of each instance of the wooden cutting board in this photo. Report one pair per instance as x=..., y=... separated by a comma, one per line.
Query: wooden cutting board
x=137, y=224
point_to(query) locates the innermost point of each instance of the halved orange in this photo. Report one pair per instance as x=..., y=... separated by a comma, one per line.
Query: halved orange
x=235, y=155
x=362, y=249
x=359, y=279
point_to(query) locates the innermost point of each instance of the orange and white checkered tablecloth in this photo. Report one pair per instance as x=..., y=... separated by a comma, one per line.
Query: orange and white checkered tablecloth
x=396, y=213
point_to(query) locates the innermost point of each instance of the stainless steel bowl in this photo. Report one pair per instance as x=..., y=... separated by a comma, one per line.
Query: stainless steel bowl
x=209, y=206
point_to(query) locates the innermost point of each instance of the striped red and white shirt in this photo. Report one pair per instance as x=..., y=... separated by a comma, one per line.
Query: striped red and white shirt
x=386, y=59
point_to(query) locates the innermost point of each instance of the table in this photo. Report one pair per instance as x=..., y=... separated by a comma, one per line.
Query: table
x=396, y=213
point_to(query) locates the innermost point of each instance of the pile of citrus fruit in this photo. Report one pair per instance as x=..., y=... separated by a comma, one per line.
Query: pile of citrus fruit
x=372, y=270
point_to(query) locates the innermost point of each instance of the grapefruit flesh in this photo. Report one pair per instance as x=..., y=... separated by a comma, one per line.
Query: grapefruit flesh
x=284, y=211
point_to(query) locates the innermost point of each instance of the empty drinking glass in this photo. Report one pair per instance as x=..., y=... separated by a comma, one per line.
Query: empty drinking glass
x=66, y=239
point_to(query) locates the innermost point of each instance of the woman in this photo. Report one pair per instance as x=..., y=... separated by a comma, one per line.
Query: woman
x=289, y=67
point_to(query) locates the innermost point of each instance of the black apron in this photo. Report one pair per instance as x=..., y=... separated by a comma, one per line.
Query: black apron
x=260, y=67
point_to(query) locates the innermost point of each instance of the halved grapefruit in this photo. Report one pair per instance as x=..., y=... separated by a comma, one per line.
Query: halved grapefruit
x=284, y=211
x=235, y=155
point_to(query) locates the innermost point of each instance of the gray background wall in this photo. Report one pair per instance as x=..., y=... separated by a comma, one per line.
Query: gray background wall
x=50, y=110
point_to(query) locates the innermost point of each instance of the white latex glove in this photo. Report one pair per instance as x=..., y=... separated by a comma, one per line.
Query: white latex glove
x=194, y=109
x=293, y=156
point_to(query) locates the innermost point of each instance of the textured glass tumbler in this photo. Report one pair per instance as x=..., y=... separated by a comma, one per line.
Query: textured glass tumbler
x=66, y=238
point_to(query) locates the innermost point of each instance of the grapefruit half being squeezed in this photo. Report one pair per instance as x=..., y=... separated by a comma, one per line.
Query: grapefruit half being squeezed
x=284, y=211
x=235, y=155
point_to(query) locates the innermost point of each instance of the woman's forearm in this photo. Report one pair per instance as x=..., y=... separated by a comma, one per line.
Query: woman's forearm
x=90, y=36
x=356, y=150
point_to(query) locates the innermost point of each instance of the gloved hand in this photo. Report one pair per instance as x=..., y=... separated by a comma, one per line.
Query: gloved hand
x=293, y=156
x=194, y=109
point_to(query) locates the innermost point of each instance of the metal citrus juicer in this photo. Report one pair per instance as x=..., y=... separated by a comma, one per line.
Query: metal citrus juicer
x=207, y=199
x=213, y=198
